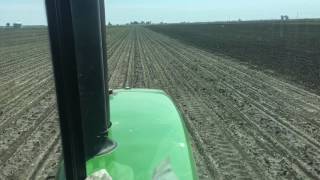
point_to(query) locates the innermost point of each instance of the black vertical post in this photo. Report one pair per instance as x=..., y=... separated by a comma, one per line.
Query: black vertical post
x=104, y=51
x=89, y=47
x=78, y=46
x=66, y=81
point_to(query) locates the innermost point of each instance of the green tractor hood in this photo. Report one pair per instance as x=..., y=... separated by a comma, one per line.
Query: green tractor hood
x=151, y=138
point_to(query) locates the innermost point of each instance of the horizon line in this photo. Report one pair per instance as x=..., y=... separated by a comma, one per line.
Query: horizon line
x=181, y=22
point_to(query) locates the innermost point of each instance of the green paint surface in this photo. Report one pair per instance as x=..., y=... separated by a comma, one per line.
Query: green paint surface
x=149, y=131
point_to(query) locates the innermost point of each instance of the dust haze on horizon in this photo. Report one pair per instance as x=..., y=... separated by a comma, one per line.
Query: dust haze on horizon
x=32, y=12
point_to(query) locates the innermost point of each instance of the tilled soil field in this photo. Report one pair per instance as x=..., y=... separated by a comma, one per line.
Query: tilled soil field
x=287, y=48
x=244, y=124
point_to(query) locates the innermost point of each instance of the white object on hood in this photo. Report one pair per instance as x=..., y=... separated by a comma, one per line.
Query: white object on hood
x=99, y=175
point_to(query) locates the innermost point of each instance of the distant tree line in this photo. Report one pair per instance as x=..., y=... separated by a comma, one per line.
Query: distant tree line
x=133, y=23
x=14, y=25
x=141, y=22
x=284, y=17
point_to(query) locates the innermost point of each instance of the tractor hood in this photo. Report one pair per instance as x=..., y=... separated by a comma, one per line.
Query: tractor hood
x=151, y=138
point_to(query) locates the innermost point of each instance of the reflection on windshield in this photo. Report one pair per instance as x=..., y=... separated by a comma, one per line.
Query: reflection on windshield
x=244, y=77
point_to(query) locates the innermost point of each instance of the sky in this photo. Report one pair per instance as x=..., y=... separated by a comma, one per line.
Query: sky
x=32, y=12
